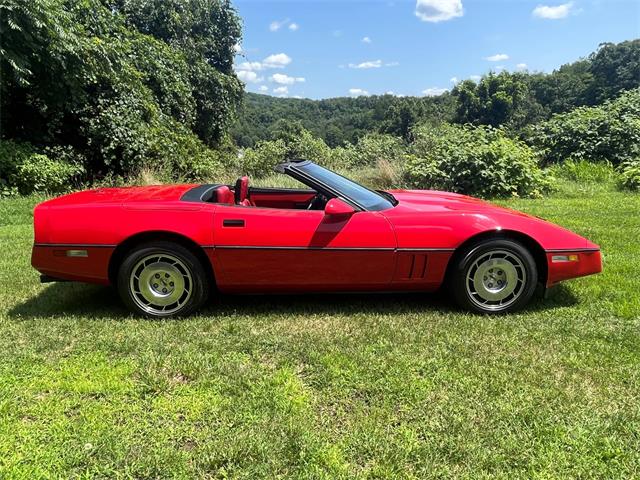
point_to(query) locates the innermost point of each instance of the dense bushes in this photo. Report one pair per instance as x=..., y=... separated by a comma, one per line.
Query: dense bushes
x=369, y=150
x=23, y=170
x=126, y=84
x=260, y=160
x=630, y=175
x=479, y=161
x=610, y=132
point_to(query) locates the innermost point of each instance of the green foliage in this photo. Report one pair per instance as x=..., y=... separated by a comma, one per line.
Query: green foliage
x=630, y=175
x=496, y=100
x=337, y=121
x=123, y=83
x=480, y=161
x=369, y=150
x=615, y=68
x=609, y=132
x=23, y=170
x=259, y=161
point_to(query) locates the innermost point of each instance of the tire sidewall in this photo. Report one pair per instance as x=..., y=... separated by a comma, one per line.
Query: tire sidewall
x=191, y=262
x=466, y=260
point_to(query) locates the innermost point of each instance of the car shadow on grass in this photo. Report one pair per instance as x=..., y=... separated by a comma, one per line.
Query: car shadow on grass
x=97, y=302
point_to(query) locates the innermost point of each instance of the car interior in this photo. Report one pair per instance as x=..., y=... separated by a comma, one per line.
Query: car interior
x=242, y=194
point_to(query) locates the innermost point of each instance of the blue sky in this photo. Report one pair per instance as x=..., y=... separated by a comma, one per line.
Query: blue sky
x=321, y=49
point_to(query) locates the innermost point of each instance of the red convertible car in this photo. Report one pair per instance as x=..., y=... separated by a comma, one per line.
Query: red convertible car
x=167, y=248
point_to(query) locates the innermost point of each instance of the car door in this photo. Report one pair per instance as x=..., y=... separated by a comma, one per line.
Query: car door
x=268, y=249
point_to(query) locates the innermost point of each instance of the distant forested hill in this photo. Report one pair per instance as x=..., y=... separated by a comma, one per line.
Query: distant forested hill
x=335, y=120
x=513, y=100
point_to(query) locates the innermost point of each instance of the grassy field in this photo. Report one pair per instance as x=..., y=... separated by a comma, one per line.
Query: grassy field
x=327, y=386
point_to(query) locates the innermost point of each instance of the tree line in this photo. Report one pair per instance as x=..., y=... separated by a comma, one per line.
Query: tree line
x=510, y=100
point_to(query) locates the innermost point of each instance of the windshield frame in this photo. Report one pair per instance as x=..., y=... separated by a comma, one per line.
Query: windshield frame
x=296, y=169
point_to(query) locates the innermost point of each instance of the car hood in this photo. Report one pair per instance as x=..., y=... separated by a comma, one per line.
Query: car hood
x=436, y=201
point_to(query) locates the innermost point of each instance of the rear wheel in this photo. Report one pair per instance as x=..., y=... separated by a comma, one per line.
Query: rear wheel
x=162, y=279
x=494, y=276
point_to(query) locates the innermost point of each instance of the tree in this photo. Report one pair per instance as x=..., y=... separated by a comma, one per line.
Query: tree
x=614, y=68
x=115, y=83
x=502, y=99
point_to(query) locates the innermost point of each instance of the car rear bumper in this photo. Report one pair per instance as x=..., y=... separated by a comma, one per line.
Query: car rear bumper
x=567, y=264
x=81, y=263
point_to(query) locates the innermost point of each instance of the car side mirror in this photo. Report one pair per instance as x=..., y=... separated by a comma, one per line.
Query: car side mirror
x=336, y=207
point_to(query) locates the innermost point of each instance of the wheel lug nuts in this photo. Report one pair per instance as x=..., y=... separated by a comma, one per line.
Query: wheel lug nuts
x=157, y=275
x=166, y=275
x=164, y=290
x=171, y=284
x=491, y=285
x=155, y=285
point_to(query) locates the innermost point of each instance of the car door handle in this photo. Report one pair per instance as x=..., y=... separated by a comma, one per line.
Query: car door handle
x=233, y=223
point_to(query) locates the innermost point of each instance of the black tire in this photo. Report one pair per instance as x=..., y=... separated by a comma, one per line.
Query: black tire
x=162, y=279
x=493, y=276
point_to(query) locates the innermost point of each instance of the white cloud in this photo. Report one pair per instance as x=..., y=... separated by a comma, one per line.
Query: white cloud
x=294, y=27
x=438, y=10
x=358, y=92
x=365, y=65
x=278, y=24
x=237, y=48
x=434, y=91
x=366, y=40
x=552, y=13
x=283, y=91
x=282, y=79
x=249, y=66
x=278, y=60
x=249, y=77
x=264, y=88
x=498, y=57
x=475, y=78
x=521, y=66
x=454, y=80
x=392, y=64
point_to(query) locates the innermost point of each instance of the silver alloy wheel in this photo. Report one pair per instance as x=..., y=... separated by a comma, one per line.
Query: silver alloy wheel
x=160, y=284
x=496, y=280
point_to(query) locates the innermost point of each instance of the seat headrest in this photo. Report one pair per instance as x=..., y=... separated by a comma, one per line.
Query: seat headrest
x=224, y=195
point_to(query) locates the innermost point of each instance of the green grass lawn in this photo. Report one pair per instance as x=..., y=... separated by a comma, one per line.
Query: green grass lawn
x=373, y=386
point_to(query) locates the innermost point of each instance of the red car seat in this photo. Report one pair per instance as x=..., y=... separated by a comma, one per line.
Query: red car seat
x=224, y=195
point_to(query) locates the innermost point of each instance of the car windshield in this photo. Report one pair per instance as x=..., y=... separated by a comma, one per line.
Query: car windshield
x=367, y=199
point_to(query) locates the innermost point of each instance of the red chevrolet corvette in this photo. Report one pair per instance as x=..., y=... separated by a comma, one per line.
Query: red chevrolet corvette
x=167, y=248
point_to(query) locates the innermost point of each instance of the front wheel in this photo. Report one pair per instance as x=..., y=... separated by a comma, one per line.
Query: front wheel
x=494, y=276
x=162, y=279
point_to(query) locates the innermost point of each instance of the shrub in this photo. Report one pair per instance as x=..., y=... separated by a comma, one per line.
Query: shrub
x=369, y=150
x=23, y=170
x=630, y=175
x=260, y=160
x=480, y=161
x=608, y=132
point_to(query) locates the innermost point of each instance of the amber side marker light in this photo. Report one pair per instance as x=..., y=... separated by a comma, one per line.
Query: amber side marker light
x=564, y=258
x=77, y=253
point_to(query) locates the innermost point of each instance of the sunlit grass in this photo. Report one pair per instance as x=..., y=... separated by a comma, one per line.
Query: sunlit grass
x=372, y=386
